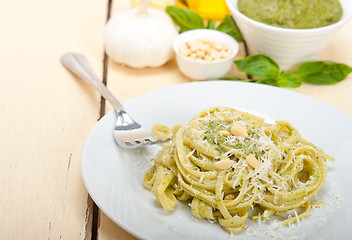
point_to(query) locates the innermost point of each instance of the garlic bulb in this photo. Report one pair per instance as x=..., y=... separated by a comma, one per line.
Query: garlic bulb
x=140, y=37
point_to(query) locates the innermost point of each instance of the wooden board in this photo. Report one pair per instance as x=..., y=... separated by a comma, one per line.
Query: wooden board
x=45, y=116
x=46, y=113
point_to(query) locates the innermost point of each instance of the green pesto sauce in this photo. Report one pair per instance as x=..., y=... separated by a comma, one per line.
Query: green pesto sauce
x=296, y=14
x=248, y=145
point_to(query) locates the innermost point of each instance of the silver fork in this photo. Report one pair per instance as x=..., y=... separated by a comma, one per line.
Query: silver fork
x=127, y=133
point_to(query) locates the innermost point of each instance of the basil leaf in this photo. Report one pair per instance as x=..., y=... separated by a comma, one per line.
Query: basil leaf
x=211, y=24
x=185, y=19
x=267, y=81
x=289, y=80
x=258, y=66
x=229, y=26
x=323, y=72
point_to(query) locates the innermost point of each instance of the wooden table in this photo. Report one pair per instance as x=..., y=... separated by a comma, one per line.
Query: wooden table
x=46, y=113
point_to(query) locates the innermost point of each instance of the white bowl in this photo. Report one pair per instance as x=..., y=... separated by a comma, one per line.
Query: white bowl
x=203, y=70
x=287, y=47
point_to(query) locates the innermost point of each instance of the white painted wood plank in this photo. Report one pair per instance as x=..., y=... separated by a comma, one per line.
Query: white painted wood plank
x=45, y=115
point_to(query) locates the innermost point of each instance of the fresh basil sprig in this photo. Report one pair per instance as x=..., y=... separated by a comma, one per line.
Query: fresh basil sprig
x=258, y=66
x=229, y=26
x=188, y=20
x=266, y=71
x=185, y=19
x=323, y=72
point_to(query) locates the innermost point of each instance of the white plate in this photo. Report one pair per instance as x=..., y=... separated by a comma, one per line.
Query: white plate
x=113, y=176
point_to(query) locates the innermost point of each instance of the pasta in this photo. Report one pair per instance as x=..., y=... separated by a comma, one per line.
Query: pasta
x=230, y=166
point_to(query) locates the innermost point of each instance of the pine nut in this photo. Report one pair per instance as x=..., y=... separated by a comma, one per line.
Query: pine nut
x=229, y=197
x=200, y=53
x=215, y=54
x=223, y=133
x=239, y=130
x=252, y=161
x=223, y=164
x=218, y=46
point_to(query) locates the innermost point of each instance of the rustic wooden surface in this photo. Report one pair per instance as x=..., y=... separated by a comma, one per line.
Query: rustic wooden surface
x=46, y=113
x=45, y=116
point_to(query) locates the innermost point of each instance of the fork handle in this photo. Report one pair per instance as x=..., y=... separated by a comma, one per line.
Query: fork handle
x=79, y=65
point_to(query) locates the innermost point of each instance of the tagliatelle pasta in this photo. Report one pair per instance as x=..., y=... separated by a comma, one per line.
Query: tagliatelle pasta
x=231, y=166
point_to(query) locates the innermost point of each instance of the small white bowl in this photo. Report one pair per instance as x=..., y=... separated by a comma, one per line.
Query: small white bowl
x=203, y=70
x=287, y=47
